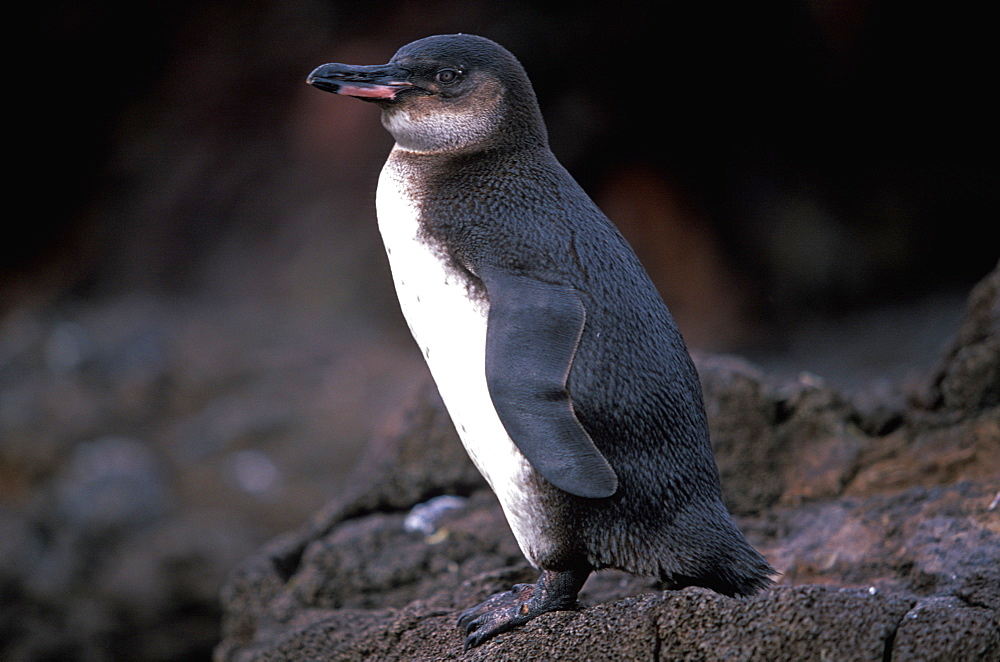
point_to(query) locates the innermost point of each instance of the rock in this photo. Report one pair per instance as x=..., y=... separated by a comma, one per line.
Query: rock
x=968, y=374
x=879, y=510
x=945, y=629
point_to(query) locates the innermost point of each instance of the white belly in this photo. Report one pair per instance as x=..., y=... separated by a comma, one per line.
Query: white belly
x=450, y=329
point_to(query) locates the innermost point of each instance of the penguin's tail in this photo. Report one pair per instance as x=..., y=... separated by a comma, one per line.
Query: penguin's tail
x=735, y=580
x=718, y=557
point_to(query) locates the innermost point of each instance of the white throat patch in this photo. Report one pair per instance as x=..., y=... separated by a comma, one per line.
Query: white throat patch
x=433, y=124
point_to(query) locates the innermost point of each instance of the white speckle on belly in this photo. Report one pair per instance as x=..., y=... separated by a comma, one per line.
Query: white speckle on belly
x=450, y=329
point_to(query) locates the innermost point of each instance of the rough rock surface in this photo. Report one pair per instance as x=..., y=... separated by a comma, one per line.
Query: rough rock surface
x=879, y=508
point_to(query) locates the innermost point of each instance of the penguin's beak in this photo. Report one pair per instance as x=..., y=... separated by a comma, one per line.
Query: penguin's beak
x=371, y=83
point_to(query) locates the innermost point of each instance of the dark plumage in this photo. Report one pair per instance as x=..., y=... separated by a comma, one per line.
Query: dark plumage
x=583, y=364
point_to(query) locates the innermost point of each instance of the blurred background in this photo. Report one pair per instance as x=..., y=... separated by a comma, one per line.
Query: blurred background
x=198, y=332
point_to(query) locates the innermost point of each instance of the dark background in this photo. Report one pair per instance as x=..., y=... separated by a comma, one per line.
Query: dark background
x=801, y=157
x=198, y=332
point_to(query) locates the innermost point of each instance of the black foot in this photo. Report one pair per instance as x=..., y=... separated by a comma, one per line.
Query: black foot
x=554, y=591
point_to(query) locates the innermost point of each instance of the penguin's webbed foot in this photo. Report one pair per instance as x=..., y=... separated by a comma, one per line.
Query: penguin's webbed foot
x=501, y=612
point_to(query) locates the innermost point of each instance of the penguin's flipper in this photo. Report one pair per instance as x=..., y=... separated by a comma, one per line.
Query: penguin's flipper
x=531, y=338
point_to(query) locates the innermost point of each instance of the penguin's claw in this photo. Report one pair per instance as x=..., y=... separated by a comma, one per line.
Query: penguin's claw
x=554, y=591
x=499, y=613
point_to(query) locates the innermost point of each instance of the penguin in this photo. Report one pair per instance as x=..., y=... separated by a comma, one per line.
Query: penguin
x=569, y=383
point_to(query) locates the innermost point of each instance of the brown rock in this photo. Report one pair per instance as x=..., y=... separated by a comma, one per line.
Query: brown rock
x=881, y=515
x=947, y=630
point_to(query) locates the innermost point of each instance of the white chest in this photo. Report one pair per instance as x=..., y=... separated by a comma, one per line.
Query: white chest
x=450, y=329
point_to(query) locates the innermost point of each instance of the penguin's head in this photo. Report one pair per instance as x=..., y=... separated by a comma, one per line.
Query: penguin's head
x=447, y=93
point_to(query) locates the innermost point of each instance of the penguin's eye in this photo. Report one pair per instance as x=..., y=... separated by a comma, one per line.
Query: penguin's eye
x=446, y=76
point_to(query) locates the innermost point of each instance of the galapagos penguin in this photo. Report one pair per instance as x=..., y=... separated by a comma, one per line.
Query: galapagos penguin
x=561, y=367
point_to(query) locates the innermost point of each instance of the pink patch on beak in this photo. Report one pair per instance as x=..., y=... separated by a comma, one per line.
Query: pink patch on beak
x=369, y=90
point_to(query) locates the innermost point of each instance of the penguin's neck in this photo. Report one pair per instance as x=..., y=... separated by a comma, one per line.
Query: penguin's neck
x=421, y=167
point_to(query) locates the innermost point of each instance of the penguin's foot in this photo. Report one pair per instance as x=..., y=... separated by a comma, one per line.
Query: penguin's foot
x=554, y=591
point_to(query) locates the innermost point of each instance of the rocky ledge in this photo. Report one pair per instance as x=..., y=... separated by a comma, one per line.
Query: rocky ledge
x=879, y=508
